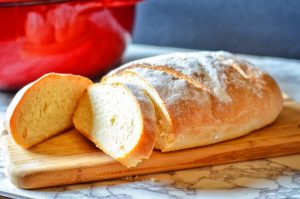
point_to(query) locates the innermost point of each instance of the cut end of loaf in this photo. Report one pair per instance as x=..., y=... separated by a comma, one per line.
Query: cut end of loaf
x=44, y=108
x=121, y=123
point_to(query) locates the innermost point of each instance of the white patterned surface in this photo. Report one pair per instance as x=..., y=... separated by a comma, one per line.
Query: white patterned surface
x=266, y=178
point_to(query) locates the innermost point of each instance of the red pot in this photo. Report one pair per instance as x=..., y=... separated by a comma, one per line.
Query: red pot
x=79, y=37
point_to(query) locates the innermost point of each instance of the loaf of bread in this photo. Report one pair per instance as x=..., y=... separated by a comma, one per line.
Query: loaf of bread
x=172, y=102
x=202, y=98
x=119, y=119
x=44, y=108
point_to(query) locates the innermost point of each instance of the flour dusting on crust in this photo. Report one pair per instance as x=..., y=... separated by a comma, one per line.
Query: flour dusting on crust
x=171, y=89
x=210, y=69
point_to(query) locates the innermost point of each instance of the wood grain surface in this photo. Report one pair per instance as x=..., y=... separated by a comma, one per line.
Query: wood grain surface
x=70, y=158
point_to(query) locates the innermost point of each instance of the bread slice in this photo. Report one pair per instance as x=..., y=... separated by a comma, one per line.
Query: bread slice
x=163, y=120
x=44, y=107
x=119, y=119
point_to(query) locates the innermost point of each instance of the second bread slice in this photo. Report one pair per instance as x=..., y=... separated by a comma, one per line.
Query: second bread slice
x=119, y=119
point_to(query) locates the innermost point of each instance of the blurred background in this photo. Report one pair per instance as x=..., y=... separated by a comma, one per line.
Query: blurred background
x=89, y=37
x=259, y=27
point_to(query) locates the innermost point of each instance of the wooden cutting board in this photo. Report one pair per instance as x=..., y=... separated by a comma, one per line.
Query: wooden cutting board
x=70, y=158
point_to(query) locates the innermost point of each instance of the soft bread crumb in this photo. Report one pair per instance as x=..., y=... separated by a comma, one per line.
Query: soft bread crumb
x=163, y=122
x=44, y=108
x=121, y=121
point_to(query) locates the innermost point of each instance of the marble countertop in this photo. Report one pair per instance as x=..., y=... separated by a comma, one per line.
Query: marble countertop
x=273, y=178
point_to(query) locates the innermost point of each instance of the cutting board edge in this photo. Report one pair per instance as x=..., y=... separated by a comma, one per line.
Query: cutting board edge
x=32, y=180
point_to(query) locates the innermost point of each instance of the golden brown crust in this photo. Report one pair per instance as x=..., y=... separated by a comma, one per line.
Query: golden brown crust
x=11, y=119
x=250, y=100
x=219, y=121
